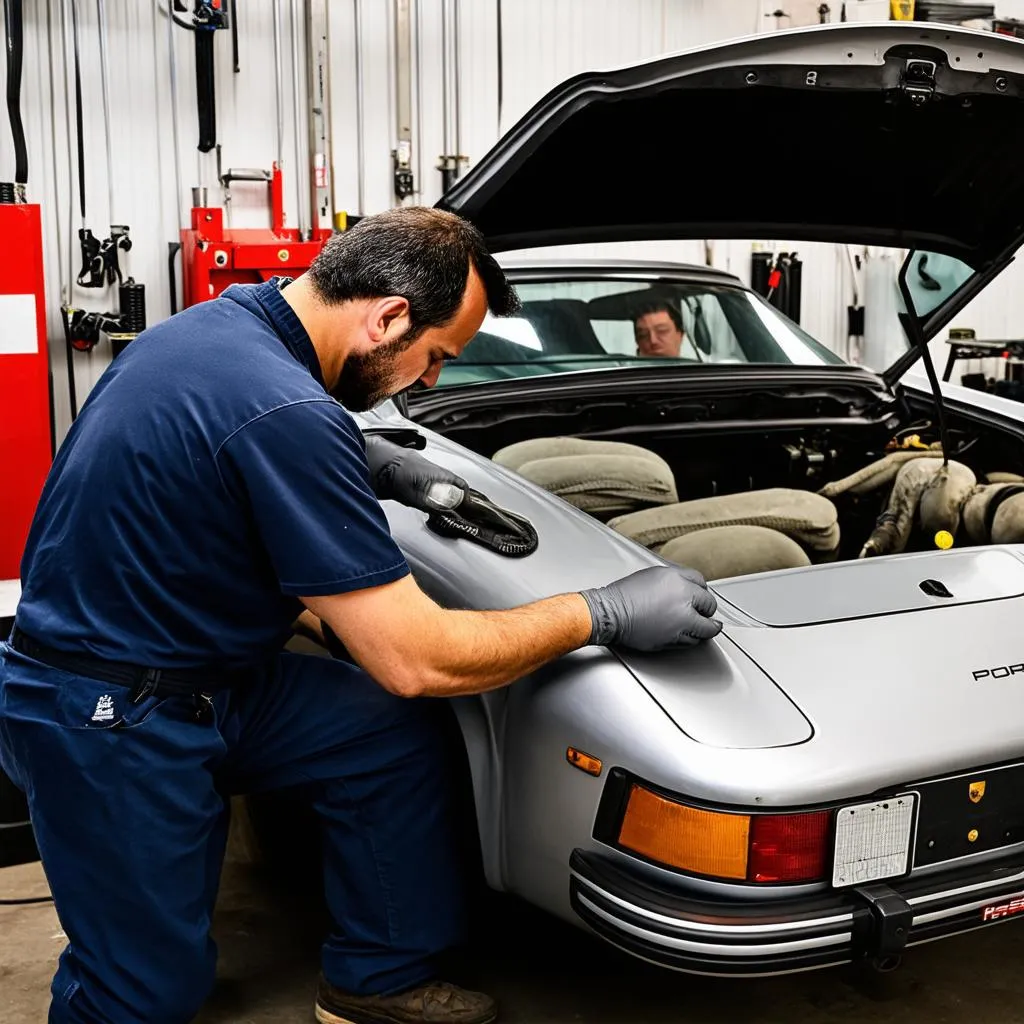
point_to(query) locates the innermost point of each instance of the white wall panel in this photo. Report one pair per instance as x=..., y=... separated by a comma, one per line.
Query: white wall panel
x=542, y=42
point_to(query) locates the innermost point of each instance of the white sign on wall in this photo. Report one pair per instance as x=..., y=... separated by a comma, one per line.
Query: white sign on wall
x=18, y=331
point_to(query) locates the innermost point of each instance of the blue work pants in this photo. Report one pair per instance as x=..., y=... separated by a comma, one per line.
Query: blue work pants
x=129, y=804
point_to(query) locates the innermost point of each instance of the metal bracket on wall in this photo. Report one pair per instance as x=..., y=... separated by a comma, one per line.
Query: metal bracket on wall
x=318, y=84
x=450, y=167
x=401, y=156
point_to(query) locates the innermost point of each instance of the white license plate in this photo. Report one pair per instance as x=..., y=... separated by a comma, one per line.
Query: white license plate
x=873, y=840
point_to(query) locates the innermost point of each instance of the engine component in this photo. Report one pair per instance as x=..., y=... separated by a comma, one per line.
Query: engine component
x=876, y=474
x=807, y=462
x=994, y=513
x=928, y=488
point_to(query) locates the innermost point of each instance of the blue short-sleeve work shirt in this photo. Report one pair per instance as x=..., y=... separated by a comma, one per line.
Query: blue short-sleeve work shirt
x=208, y=482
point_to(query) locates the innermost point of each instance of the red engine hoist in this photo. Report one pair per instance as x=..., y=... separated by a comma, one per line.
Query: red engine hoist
x=214, y=257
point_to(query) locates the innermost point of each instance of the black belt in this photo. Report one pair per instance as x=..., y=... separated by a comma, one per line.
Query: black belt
x=141, y=680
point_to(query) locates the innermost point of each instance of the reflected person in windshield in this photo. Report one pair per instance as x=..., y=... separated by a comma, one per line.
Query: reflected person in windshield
x=658, y=329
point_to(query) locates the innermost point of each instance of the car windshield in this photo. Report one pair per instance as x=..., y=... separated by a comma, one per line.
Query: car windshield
x=573, y=324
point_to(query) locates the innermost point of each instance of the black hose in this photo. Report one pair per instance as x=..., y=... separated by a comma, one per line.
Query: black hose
x=78, y=111
x=15, y=49
x=31, y=899
x=233, y=15
x=206, y=94
x=172, y=277
x=70, y=349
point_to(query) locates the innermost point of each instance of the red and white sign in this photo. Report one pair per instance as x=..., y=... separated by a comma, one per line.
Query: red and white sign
x=999, y=911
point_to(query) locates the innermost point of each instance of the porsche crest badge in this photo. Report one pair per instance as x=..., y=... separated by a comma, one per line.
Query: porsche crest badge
x=977, y=791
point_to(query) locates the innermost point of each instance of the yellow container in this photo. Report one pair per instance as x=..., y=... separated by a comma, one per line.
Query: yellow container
x=902, y=10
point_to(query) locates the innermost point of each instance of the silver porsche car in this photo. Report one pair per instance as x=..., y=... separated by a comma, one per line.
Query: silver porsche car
x=840, y=774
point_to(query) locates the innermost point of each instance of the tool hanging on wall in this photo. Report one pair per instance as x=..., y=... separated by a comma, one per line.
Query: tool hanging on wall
x=778, y=279
x=208, y=16
x=214, y=254
x=101, y=258
x=14, y=191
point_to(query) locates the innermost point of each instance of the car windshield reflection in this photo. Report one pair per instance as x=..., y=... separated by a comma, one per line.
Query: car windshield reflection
x=571, y=324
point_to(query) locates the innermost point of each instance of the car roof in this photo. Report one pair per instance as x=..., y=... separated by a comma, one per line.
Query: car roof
x=614, y=265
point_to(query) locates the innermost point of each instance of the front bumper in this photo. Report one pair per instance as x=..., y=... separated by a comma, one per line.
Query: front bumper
x=766, y=937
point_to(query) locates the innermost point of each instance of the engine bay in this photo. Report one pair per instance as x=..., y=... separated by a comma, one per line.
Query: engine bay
x=877, y=458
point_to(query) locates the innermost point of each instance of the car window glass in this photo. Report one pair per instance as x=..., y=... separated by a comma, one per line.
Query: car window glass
x=577, y=323
x=932, y=278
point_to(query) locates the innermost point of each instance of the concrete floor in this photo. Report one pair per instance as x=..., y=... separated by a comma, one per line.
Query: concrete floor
x=542, y=971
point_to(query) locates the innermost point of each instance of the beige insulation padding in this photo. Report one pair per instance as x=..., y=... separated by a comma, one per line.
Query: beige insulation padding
x=928, y=491
x=944, y=497
x=725, y=551
x=875, y=474
x=807, y=518
x=975, y=510
x=603, y=478
x=1004, y=478
x=1007, y=525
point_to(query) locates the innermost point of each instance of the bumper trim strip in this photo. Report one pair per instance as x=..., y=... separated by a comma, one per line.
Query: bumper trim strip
x=711, y=949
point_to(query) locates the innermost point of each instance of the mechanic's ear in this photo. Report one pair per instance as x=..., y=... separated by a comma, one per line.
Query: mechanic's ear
x=388, y=319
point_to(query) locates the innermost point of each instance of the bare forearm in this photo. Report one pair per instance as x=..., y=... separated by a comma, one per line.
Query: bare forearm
x=480, y=651
x=415, y=648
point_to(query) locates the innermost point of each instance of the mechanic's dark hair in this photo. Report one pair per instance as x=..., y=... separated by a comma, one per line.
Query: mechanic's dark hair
x=418, y=252
x=660, y=307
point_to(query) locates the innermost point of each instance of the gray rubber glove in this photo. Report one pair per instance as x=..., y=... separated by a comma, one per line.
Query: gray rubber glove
x=663, y=606
x=404, y=475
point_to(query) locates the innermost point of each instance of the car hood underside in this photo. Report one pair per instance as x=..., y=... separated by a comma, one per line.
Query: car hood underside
x=891, y=134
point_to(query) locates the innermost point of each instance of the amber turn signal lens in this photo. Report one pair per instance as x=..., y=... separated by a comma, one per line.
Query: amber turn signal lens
x=689, y=838
x=585, y=762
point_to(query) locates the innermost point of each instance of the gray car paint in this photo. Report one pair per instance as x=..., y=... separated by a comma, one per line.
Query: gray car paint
x=867, y=698
x=725, y=723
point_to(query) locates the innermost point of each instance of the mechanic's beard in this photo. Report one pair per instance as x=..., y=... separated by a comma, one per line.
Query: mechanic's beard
x=369, y=378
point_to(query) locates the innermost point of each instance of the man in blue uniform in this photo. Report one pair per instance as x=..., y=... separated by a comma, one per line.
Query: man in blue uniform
x=213, y=487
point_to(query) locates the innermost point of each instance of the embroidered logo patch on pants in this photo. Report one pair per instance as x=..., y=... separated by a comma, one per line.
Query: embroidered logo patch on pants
x=104, y=709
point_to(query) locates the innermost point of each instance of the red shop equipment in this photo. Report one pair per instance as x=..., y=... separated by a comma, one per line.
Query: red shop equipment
x=214, y=257
x=25, y=426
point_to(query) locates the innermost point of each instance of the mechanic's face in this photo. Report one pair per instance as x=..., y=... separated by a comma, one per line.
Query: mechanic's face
x=656, y=335
x=393, y=364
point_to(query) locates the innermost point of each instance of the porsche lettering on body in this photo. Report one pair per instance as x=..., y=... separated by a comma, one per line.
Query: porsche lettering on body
x=998, y=672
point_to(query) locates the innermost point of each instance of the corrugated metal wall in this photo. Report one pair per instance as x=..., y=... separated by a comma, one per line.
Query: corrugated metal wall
x=541, y=42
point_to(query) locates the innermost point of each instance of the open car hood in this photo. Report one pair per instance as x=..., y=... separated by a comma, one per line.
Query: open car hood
x=896, y=134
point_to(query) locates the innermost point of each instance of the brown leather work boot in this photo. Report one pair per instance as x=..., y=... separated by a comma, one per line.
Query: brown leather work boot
x=436, y=1003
